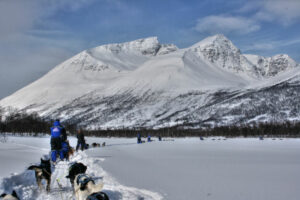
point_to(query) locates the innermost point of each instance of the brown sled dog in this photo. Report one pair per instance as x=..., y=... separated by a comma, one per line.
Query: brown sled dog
x=42, y=171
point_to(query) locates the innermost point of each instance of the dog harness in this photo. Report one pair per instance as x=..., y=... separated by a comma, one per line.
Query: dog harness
x=82, y=180
x=46, y=168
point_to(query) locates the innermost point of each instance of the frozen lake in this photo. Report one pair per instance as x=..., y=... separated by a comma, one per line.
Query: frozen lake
x=186, y=168
x=210, y=169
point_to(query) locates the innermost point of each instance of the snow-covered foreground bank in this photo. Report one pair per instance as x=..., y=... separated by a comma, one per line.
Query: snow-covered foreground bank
x=18, y=153
x=188, y=169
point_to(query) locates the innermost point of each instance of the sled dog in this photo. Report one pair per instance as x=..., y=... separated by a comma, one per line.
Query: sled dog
x=71, y=151
x=12, y=196
x=84, y=186
x=42, y=171
x=75, y=169
x=94, y=145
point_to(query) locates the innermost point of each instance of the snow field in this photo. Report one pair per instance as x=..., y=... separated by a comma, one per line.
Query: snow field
x=213, y=169
x=182, y=169
x=25, y=185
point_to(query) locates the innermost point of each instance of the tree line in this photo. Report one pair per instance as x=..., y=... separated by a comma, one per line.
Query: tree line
x=270, y=129
x=33, y=124
x=24, y=123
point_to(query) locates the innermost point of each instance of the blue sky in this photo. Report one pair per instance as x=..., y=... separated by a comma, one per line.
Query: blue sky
x=36, y=35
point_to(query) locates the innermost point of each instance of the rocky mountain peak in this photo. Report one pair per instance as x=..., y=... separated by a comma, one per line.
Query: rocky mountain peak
x=220, y=51
x=271, y=66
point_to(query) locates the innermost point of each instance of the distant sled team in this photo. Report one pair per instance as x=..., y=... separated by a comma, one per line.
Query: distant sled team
x=149, y=139
x=94, y=145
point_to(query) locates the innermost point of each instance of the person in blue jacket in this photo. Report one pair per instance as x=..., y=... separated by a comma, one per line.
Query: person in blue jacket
x=139, y=138
x=56, y=140
x=149, y=138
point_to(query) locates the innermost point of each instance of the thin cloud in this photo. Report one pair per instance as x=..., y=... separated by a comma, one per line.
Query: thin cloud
x=226, y=24
x=250, y=7
x=284, y=12
x=270, y=45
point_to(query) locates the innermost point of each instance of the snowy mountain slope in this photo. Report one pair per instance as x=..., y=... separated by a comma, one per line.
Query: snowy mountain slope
x=193, y=109
x=145, y=83
x=87, y=71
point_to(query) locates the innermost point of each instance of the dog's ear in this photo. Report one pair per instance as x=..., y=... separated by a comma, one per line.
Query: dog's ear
x=68, y=176
x=3, y=195
x=14, y=194
x=103, y=196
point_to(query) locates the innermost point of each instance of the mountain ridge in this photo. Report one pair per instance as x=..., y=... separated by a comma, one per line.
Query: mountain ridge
x=143, y=77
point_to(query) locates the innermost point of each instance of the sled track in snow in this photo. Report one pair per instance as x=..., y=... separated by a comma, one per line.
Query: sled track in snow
x=27, y=189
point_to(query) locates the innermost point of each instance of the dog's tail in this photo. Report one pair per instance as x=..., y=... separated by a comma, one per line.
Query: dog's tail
x=97, y=188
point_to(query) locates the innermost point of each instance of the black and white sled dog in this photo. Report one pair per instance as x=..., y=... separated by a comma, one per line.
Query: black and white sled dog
x=12, y=196
x=98, y=196
x=84, y=186
x=74, y=170
x=42, y=171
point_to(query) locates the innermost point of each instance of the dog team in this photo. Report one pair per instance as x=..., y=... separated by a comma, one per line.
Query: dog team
x=83, y=185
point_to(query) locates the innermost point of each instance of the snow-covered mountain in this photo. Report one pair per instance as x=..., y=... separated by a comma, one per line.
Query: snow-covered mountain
x=271, y=66
x=145, y=83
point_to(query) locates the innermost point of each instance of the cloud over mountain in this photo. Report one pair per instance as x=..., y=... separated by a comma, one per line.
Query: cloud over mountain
x=226, y=24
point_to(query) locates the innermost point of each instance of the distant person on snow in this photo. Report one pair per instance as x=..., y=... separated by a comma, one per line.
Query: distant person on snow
x=139, y=138
x=80, y=140
x=56, y=140
x=159, y=138
x=149, y=138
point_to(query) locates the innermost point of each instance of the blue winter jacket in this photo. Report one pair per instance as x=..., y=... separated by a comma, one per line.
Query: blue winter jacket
x=65, y=146
x=56, y=129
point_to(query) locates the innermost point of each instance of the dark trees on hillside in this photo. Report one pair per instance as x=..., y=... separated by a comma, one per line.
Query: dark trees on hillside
x=286, y=129
x=18, y=122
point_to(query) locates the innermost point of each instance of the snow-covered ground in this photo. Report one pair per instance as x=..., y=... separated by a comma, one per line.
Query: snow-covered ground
x=187, y=168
